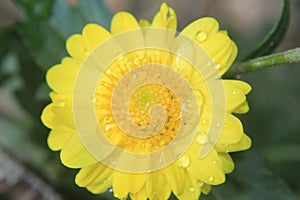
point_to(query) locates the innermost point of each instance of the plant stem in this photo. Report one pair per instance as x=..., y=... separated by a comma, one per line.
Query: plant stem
x=290, y=56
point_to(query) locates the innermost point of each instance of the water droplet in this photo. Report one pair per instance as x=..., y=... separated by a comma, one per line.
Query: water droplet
x=137, y=60
x=108, y=127
x=60, y=104
x=191, y=189
x=93, y=100
x=110, y=190
x=120, y=57
x=160, y=159
x=214, y=162
x=136, y=75
x=233, y=92
x=203, y=121
x=183, y=107
x=218, y=66
x=200, y=183
x=201, y=36
x=218, y=124
x=202, y=138
x=211, y=178
x=184, y=161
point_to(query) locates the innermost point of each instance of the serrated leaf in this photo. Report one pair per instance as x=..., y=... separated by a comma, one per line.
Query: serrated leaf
x=275, y=36
x=251, y=180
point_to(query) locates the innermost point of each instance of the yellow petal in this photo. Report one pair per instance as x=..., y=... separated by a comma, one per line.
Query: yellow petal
x=243, y=144
x=144, y=23
x=165, y=18
x=175, y=176
x=119, y=185
x=154, y=188
x=93, y=175
x=76, y=48
x=242, y=85
x=230, y=60
x=232, y=130
x=191, y=190
x=135, y=182
x=228, y=164
x=100, y=187
x=206, y=188
x=62, y=108
x=75, y=155
x=235, y=93
x=123, y=21
x=221, y=49
x=243, y=108
x=140, y=195
x=93, y=35
x=58, y=137
x=201, y=28
x=50, y=120
x=207, y=169
x=61, y=77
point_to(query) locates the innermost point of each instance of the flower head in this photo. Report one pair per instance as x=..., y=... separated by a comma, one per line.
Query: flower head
x=142, y=109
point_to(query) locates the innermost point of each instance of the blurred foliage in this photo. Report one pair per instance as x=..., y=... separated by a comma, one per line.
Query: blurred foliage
x=36, y=42
x=275, y=36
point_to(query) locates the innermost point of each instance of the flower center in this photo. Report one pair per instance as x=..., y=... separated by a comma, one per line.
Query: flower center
x=151, y=94
x=141, y=106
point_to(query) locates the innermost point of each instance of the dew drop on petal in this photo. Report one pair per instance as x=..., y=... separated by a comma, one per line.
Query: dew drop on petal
x=218, y=66
x=200, y=183
x=110, y=190
x=202, y=138
x=214, y=162
x=92, y=100
x=184, y=161
x=120, y=57
x=211, y=178
x=108, y=127
x=218, y=124
x=135, y=76
x=203, y=121
x=191, y=189
x=201, y=36
x=233, y=92
x=137, y=60
x=61, y=104
x=160, y=159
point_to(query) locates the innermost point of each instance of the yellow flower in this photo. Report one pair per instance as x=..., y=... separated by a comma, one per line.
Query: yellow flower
x=142, y=109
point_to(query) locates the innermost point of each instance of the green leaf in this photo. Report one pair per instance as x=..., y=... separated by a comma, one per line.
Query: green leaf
x=251, y=180
x=275, y=36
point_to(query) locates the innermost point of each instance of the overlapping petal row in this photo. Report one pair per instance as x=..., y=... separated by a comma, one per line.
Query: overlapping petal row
x=190, y=175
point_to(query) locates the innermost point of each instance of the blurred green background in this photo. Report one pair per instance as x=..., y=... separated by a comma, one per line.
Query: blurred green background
x=32, y=39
